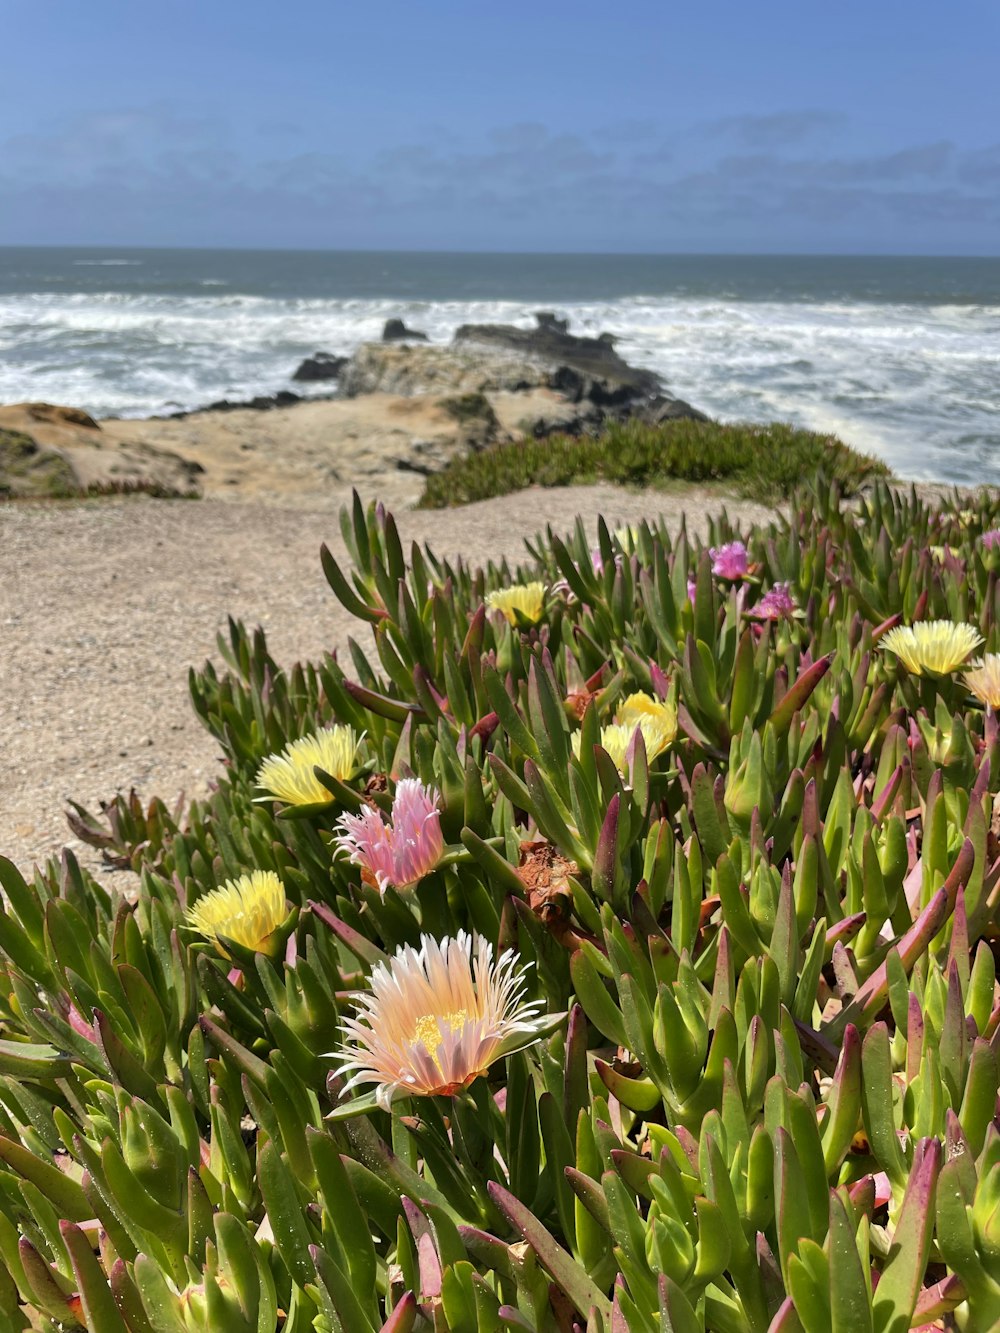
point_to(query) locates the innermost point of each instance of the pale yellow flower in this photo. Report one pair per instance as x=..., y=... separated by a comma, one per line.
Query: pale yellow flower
x=289, y=776
x=437, y=1017
x=983, y=679
x=656, y=718
x=657, y=722
x=247, y=911
x=527, y=599
x=932, y=647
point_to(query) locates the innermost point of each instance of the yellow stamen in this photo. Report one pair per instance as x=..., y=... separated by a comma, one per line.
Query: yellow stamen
x=428, y=1028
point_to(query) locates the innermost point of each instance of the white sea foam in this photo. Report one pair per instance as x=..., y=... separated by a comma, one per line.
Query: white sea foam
x=916, y=384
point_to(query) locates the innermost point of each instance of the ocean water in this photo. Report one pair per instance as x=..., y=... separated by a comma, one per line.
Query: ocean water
x=899, y=356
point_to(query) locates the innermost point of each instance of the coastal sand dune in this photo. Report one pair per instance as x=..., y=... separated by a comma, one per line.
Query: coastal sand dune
x=105, y=604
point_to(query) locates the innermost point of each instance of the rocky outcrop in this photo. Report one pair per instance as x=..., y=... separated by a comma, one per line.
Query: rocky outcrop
x=55, y=452
x=587, y=375
x=396, y=331
x=402, y=369
x=320, y=366
x=396, y=411
x=593, y=360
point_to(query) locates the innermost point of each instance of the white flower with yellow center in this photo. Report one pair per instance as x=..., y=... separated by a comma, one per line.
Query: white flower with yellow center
x=437, y=1017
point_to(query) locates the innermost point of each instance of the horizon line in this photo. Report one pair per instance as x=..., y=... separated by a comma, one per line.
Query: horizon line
x=511, y=254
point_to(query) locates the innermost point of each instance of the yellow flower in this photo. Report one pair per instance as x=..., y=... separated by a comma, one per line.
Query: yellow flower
x=657, y=721
x=527, y=599
x=983, y=679
x=289, y=776
x=932, y=647
x=627, y=537
x=247, y=910
x=641, y=706
x=437, y=1017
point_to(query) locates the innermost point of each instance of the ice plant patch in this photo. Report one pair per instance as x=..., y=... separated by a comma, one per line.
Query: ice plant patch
x=247, y=910
x=526, y=600
x=932, y=647
x=437, y=1018
x=399, y=853
x=803, y=888
x=290, y=775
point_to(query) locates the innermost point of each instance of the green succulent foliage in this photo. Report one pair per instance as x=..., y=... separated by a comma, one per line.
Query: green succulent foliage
x=768, y=1096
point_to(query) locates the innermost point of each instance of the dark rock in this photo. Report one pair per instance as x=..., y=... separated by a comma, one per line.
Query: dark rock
x=320, y=366
x=396, y=331
x=569, y=382
x=592, y=358
x=545, y=319
x=283, y=398
x=664, y=407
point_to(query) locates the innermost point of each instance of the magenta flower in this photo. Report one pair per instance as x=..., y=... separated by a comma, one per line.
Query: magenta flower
x=692, y=589
x=776, y=604
x=729, y=561
x=991, y=539
x=398, y=854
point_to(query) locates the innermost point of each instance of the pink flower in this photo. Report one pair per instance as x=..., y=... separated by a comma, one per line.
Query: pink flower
x=402, y=852
x=692, y=589
x=991, y=539
x=729, y=561
x=776, y=604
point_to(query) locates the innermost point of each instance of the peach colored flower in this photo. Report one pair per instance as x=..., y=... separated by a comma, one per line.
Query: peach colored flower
x=437, y=1017
x=402, y=852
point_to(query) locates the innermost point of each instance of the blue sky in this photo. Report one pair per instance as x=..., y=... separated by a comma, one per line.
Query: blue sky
x=859, y=127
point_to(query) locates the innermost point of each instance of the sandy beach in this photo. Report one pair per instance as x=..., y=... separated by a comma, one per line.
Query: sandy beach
x=105, y=604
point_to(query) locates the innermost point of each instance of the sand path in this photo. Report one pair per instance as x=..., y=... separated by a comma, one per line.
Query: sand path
x=105, y=604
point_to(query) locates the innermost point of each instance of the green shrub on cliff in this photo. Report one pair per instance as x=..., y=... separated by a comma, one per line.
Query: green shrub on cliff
x=760, y=462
